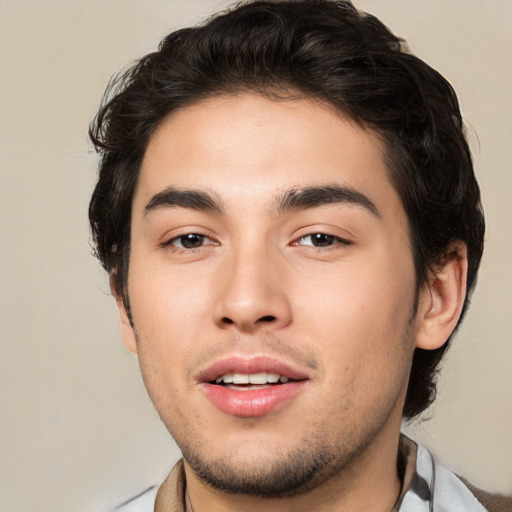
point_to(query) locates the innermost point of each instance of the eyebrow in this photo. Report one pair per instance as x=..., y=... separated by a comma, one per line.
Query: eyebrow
x=191, y=199
x=312, y=197
x=293, y=199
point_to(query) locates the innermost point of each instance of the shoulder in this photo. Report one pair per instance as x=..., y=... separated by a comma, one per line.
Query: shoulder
x=141, y=502
x=492, y=502
x=168, y=496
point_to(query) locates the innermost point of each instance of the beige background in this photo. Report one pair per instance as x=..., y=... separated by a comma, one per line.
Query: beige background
x=77, y=431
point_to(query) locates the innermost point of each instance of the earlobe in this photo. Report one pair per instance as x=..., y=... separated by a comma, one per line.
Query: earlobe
x=127, y=333
x=442, y=299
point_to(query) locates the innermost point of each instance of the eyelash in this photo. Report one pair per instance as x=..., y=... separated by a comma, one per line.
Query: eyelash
x=170, y=243
x=335, y=240
x=332, y=242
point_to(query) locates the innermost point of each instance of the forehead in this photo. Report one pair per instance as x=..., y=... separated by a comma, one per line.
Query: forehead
x=252, y=147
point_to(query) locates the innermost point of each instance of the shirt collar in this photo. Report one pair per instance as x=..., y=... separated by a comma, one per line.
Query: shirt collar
x=429, y=486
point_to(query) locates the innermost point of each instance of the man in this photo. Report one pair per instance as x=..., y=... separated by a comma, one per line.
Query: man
x=289, y=216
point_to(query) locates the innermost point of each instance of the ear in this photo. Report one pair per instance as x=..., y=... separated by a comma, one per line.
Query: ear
x=442, y=299
x=127, y=332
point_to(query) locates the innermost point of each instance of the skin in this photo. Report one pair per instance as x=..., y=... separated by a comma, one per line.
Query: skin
x=256, y=285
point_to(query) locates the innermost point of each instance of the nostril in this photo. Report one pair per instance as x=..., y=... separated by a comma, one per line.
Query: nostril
x=267, y=318
x=264, y=319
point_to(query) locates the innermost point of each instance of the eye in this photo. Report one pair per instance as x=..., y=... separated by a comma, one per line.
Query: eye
x=321, y=240
x=190, y=241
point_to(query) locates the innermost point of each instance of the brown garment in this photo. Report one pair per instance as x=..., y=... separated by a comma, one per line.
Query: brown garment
x=492, y=502
x=171, y=495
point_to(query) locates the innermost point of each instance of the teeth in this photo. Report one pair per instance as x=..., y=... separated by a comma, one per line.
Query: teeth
x=258, y=378
x=253, y=378
x=240, y=378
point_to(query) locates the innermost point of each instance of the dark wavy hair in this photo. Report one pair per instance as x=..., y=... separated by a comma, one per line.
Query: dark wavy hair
x=322, y=49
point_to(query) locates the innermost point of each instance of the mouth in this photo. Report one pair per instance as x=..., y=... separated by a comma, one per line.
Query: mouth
x=251, y=387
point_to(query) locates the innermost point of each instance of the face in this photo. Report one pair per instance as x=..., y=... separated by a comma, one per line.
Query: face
x=271, y=284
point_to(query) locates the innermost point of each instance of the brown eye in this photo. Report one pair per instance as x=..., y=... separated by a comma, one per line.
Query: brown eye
x=188, y=241
x=321, y=240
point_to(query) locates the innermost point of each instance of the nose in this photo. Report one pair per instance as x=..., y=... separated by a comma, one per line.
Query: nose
x=251, y=293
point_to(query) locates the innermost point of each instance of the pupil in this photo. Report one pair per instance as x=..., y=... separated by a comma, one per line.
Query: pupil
x=321, y=239
x=191, y=241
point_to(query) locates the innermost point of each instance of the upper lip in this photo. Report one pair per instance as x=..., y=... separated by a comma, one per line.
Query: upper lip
x=251, y=365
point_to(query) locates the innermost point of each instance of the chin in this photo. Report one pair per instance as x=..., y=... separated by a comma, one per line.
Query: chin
x=285, y=475
x=275, y=471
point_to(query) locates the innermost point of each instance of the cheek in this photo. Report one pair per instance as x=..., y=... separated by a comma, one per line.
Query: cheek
x=360, y=315
x=168, y=313
x=166, y=300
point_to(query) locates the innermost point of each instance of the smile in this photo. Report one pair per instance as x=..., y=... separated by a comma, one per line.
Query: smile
x=251, y=387
x=253, y=378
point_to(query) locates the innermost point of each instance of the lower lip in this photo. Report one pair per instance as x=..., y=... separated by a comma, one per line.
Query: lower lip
x=254, y=402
